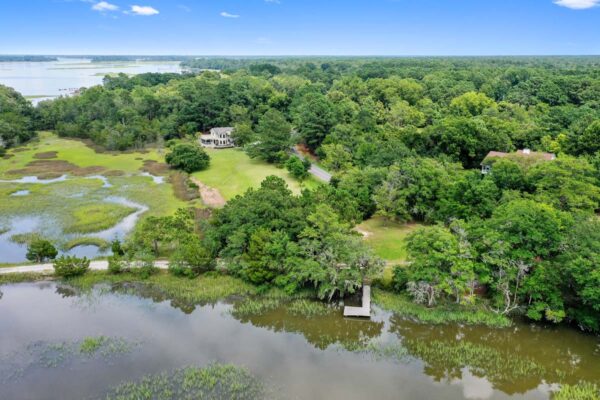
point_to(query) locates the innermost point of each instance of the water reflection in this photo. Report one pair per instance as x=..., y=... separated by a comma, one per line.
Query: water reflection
x=513, y=360
x=300, y=354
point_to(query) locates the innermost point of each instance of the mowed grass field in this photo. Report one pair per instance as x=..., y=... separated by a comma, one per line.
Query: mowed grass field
x=388, y=241
x=232, y=172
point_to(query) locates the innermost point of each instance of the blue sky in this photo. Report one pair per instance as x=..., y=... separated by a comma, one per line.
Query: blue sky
x=300, y=27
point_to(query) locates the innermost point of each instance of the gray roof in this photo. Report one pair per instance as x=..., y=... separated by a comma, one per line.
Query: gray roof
x=218, y=131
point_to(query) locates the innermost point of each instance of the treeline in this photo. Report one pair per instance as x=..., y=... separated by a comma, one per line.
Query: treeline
x=404, y=137
x=13, y=58
x=17, y=119
x=109, y=58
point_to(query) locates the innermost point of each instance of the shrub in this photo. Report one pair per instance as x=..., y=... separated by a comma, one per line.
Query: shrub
x=399, y=279
x=191, y=259
x=70, y=266
x=116, y=265
x=298, y=168
x=188, y=157
x=40, y=250
x=116, y=248
x=143, y=266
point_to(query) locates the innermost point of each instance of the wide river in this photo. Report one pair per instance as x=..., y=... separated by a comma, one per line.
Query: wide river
x=325, y=357
x=44, y=80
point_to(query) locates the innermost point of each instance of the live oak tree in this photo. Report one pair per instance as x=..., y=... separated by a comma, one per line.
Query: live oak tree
x=188, y=157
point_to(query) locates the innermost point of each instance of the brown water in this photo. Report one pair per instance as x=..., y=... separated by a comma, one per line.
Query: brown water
x=300, y=358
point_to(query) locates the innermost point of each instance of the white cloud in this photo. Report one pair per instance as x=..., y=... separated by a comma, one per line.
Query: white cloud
x=578, y=4
x=144, y=10
x=273, y=1
x=228, y=15
x=104, y=6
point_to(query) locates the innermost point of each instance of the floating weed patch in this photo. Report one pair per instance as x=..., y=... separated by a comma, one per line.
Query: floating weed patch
x=59, y=354
x=380, y=351
x=496, y=365
x=25, y=238
x=308, y=308
x=440, y=315
x=581, y=391
x=248, y=308
x=215, y=382
x=105, y=346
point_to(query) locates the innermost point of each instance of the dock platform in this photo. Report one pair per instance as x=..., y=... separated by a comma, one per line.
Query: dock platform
x=365, y=310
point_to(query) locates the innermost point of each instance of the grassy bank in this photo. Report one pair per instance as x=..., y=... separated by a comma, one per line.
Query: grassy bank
x=208, y=288
x=232, y=172
x=402, y=306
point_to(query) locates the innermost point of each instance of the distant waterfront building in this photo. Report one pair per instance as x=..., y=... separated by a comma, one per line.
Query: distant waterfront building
x=217, y=138
x=488, y=161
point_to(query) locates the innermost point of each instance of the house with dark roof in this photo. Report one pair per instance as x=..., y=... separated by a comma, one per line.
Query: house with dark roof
x=488, y=161
x=217, y=138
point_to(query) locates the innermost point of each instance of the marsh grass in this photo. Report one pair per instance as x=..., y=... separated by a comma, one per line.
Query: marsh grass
x=402, y=306
x=580, y=391
x=215, y=382
x=63, y=354
x=208, y=288
x=252, y=307
x=379, y=351
x=8, y=279
x=307, y=308
x=97, y=217
x=25, y=238
x=495, y=364
x=87, y=241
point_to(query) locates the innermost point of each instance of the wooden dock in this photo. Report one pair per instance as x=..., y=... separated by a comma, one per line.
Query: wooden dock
x=365, y=310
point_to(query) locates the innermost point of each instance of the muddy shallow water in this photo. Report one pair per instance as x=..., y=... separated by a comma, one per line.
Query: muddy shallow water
x=300, y=358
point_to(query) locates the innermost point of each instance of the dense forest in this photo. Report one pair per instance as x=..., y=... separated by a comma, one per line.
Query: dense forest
x=405, y=138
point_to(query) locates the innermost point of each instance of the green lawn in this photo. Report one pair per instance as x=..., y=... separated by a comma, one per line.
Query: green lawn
x=232, y=172
x=387, y=238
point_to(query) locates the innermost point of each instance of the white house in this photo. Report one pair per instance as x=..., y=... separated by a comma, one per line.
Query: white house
x=217, y=138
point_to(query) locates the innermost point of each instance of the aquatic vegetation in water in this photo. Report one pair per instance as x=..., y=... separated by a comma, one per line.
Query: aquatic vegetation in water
x=382, y=351
x=439, y=315
x=185, y=293
x=252, y=307
x=308, y=308
x=58, y=354
x=215, y=382
x=581, y=391
x=25, y=238
x=447, y=359
x=7, y=279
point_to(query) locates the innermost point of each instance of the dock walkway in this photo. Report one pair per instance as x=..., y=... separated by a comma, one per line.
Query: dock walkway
x=365, y=310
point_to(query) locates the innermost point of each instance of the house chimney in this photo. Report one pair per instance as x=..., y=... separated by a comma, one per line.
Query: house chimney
x=527, y=151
